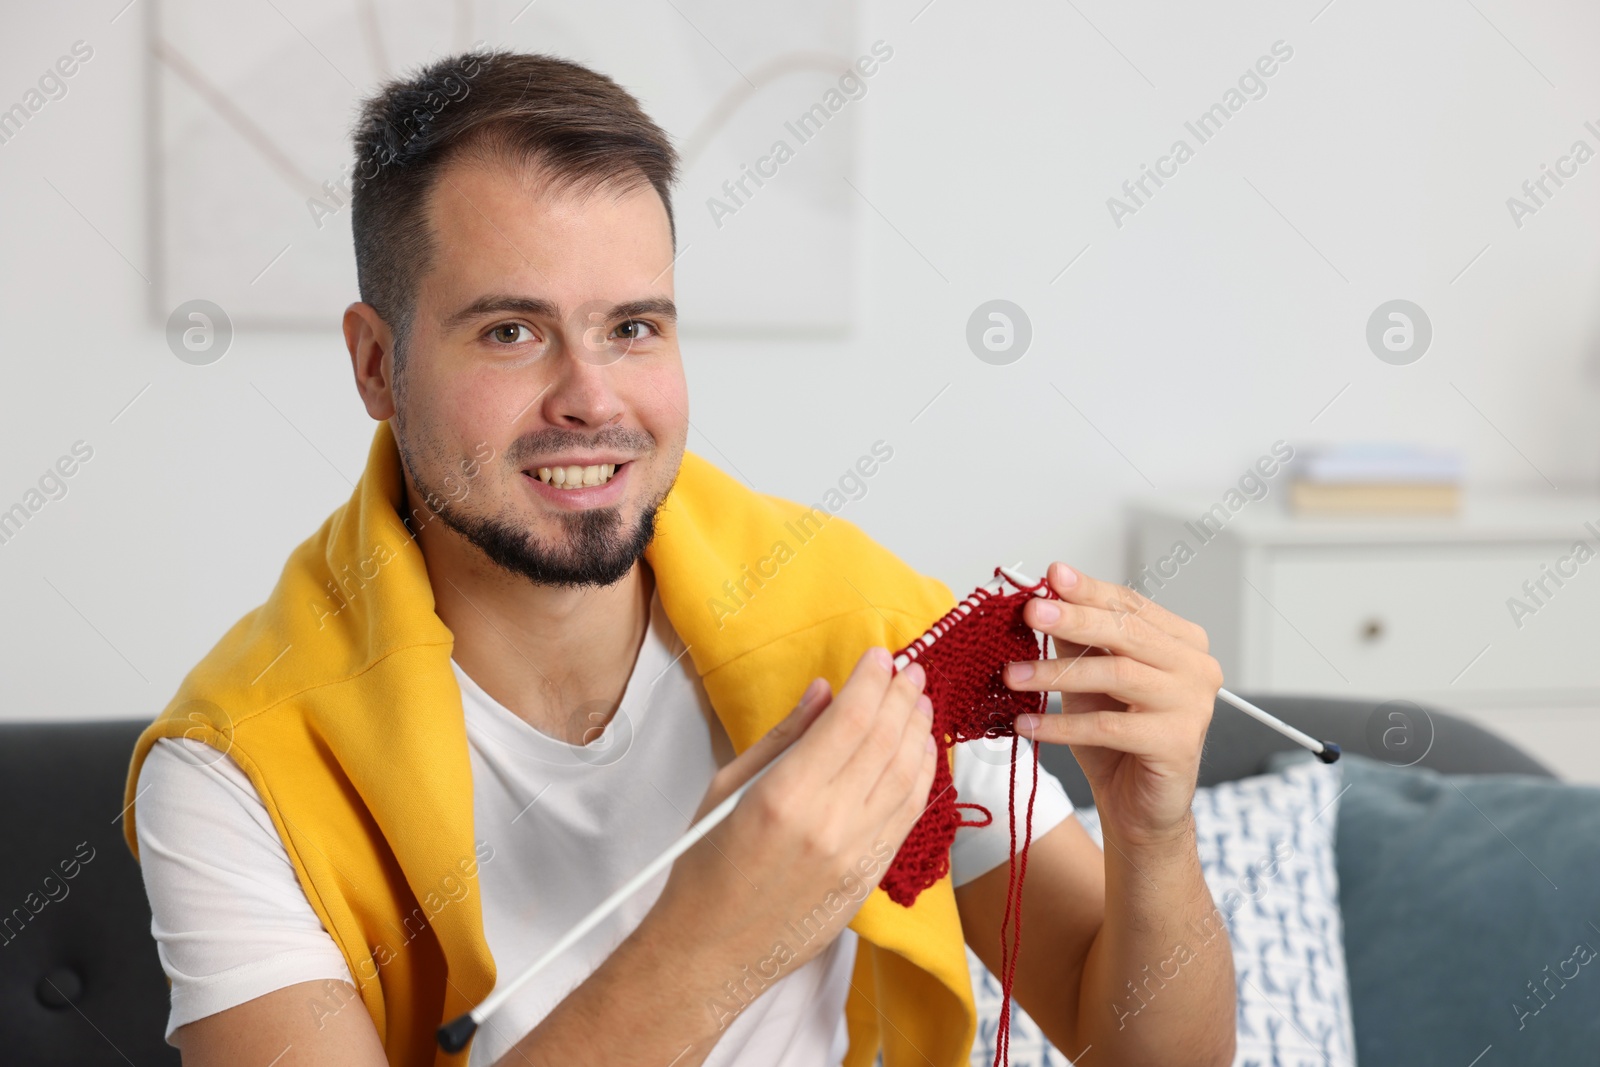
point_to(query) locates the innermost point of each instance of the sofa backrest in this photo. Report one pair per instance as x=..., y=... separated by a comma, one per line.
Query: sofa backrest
x=80, y=981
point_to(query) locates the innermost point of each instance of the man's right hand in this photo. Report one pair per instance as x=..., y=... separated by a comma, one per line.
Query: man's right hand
x=793, y=862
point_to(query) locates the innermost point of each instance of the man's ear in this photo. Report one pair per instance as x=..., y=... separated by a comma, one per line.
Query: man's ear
x=371, y=345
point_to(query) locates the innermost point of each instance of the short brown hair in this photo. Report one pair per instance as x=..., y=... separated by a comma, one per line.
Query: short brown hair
x=579, y=126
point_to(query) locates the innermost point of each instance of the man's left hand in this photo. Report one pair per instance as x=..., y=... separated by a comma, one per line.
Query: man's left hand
x=1137, y=687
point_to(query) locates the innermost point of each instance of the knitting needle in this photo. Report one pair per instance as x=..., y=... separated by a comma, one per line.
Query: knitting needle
x=934, y=632
x=1326, y=751
x=454, y=1035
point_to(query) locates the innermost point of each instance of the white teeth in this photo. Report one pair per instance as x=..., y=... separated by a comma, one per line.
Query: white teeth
x=575, y=477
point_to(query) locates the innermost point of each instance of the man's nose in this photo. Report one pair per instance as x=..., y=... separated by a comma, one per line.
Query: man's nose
x=582, y=393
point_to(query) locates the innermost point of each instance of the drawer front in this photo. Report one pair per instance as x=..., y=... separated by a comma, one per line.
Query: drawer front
x=1432, y=619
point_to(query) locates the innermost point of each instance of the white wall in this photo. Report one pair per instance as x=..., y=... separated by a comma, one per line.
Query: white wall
x=1204, y=328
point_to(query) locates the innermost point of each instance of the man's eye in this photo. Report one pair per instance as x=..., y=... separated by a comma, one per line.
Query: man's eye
x=634, y=330
x=510, y=333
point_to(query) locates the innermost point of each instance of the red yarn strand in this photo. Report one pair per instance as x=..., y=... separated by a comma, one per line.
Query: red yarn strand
x=964, y=654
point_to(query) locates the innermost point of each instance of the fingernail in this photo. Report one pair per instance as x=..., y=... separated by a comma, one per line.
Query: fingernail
x=813, y=692
x=1066, y=577
x=916, y=674
x=925, y=705
x=1020, y=672
x=1026, y=724
x=931, y=746
x=1045, y=611
x=881, y=657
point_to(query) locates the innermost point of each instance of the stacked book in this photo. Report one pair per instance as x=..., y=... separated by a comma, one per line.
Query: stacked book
x=1391, y=479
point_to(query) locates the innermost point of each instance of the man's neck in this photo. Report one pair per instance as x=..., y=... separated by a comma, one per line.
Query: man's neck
x=558, y=657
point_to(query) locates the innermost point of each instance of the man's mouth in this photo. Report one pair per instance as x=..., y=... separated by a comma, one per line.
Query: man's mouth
x=578, y=477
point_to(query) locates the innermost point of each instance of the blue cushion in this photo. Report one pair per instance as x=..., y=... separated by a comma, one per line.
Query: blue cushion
x=1471, y=911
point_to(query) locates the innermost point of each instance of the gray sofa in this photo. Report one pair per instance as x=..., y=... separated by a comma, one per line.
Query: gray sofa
x=80, y=982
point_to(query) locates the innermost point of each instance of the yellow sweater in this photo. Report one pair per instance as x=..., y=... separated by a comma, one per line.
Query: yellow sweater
x=337, y=698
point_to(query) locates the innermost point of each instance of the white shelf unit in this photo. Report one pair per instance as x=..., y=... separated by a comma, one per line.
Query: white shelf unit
x=1397, y=608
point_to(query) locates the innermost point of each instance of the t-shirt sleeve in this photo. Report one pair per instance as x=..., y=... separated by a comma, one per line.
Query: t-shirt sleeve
x=230, y=920
x=982, y=774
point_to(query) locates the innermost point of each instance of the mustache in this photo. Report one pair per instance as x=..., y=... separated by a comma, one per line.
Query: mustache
x=556, y=439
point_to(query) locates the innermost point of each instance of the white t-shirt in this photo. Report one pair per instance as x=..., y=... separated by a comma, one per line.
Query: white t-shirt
x=567, y=824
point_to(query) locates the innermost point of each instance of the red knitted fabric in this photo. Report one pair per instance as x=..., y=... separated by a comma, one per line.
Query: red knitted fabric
x=964, y=655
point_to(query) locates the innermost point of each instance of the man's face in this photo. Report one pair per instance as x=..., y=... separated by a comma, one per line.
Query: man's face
x=545, y=331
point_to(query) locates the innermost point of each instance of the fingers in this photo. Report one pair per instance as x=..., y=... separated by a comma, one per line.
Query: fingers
x=865, y=760
x=1118, y=676
x=818, y=695
x=1152, y=737
x=853, y=711
x=772, y=744
x=1124, y=731
x=1078, y=588
x=901, y=795
x=1076, y=702
x=903, y=717
x=1090, y=626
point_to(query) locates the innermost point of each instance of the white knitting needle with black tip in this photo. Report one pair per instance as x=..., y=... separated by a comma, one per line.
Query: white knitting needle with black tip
x=1326, y=751
x=454, y=1035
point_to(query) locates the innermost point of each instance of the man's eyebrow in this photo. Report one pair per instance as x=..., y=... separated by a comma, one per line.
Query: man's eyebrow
x=534, y=307
x=659, y=307
x=500, y=305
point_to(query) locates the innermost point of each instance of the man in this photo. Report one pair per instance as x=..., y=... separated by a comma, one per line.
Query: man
x=498, y=680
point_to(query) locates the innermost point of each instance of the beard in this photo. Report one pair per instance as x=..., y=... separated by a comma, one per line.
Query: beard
x=598, y=547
